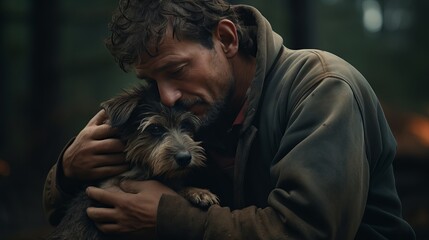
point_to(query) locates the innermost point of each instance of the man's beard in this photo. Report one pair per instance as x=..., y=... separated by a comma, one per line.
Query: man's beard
x=213, y=113
x=216, y=109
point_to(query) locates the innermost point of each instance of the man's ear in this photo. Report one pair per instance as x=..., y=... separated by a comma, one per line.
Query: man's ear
x=226, y=33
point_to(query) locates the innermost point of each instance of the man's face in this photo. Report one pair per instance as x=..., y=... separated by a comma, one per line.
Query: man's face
x=190, y=75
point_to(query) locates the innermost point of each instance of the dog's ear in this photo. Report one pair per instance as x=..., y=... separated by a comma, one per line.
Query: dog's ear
x=120, y=108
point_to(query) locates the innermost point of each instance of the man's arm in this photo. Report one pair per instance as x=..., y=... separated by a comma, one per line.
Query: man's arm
x=94, y=154
x=320, y=178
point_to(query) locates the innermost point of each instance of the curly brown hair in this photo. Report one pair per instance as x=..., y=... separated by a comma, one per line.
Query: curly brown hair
x=138, y=26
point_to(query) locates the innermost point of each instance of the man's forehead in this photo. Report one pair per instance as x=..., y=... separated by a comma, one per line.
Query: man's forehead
x=170, y=50
x=168, y=56
x=157, y=49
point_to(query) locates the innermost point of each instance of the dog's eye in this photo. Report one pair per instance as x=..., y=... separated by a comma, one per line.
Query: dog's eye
x=156, y=130
x=188, y=127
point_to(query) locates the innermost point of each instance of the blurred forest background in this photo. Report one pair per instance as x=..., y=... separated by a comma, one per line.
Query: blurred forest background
x=55, y=70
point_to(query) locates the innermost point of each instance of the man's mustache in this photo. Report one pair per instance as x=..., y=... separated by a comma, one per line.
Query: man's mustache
x=188, y=103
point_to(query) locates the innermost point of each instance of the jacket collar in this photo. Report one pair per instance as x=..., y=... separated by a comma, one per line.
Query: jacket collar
x=269, y=45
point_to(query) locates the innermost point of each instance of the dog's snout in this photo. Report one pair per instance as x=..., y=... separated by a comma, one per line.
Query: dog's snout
x=183, y=158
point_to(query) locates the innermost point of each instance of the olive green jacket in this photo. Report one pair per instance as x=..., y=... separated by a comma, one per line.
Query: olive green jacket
x=314, y=158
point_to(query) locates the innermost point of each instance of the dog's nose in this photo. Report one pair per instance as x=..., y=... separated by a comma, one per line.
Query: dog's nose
x=183, y=158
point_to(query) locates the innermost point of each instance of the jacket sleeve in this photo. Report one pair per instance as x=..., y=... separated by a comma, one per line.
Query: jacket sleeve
x=319, y=175
x=57, y=192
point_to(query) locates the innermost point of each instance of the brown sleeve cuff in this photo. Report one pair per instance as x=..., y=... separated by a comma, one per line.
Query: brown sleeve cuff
x=179, y=219
x=57, y=191
x=64, y=185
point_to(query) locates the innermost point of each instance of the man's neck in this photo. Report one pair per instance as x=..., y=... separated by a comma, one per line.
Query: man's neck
x=244, y=72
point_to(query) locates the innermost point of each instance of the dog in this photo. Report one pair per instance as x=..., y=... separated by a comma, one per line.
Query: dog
x=159, y=145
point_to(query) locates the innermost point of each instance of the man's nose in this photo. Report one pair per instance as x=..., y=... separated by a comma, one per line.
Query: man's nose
x=168, y=93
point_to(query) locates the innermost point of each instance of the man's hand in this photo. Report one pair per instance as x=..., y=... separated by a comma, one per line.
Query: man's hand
x=95, y=153
x=133, y=207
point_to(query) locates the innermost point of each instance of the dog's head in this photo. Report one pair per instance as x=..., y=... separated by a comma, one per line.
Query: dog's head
x=158, y=139
x=122, y=109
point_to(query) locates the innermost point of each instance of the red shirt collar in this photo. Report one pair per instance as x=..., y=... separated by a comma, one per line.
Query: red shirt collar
x=240, y=117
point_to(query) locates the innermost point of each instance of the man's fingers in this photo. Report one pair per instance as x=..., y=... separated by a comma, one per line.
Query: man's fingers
x=109, y=171
x=102, y=215
x=98, y=119
x=109, y=227
x=114, y=159
x=104, y=131
x=105, y=197
x=110, y=145
x=132, y=186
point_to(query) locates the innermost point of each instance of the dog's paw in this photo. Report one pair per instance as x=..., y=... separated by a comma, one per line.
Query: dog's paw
x=200, y=197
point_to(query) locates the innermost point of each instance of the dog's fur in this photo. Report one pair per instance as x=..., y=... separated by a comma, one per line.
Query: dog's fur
x=159, y=144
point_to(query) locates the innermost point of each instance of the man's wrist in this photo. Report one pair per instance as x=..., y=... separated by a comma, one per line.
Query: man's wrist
x=64, y=184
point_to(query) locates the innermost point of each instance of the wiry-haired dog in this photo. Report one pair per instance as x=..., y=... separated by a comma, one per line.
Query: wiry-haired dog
x=159, y=144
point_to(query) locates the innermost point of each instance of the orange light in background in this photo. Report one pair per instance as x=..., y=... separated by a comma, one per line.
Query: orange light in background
x=419, y=126
x=4, y=168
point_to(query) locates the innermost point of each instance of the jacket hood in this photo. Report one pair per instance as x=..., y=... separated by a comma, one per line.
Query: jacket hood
x=268, y=46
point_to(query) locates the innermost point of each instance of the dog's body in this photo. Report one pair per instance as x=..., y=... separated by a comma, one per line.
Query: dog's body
x=159, y=145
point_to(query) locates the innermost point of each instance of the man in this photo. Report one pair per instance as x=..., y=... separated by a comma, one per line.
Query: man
x=297, y=142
